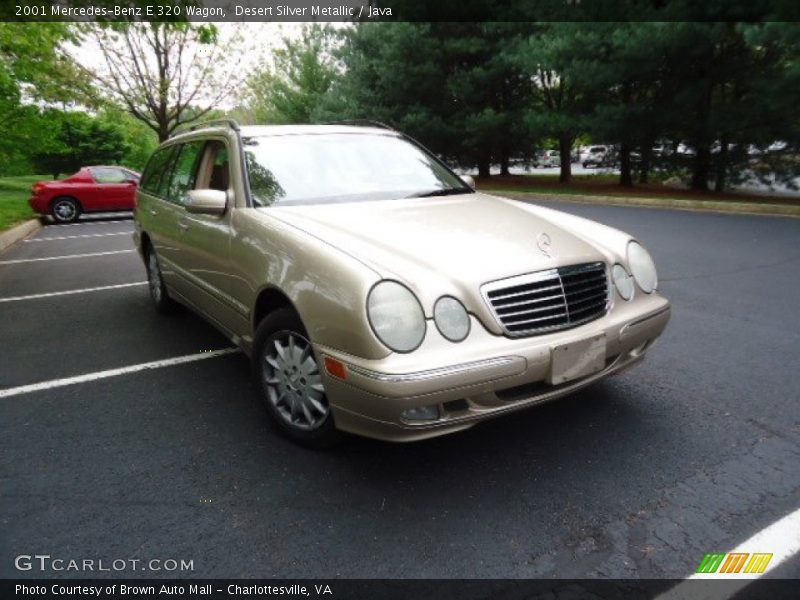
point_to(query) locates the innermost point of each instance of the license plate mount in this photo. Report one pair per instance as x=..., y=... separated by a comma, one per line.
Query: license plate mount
x=577, y=359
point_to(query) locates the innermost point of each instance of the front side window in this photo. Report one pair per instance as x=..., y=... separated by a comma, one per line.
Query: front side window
x=214, y=173
x=341, y=167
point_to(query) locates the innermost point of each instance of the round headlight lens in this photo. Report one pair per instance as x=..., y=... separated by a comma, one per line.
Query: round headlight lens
x=396, y=316
x=623, y=282
x=642, y=267
x=451, y=318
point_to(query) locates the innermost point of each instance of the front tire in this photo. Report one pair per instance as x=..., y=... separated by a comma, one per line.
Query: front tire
x=155, y=283
x=65, y=210
x=288, y=378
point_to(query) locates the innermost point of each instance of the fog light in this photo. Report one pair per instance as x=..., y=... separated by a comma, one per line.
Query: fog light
x=421, y=413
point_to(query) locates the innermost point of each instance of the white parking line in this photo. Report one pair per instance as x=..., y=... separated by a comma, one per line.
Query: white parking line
x=70, y=292
x=65, y=257
x=781, y=539
x=94, y=222
x=75, y=237
x=156, y=364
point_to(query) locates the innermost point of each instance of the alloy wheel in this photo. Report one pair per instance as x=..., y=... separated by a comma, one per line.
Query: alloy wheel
x=65, y=211
x=293, y=381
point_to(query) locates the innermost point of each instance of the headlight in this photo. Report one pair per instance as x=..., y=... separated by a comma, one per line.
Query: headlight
x=642, y=267
x=451, y=318
x=396, y=316
x=623, y=282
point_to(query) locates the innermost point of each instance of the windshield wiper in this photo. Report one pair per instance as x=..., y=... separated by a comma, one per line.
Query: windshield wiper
x=439, y=192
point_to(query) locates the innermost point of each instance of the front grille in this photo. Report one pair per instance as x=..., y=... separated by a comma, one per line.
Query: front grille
x=549, y=300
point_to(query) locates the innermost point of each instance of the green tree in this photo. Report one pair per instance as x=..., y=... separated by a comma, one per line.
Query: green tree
x=79, y=140
x=628, y=78
x=737, y=88
x=292, y=88
x=34, y=61
x=550, y=54
x=140, y=140
x=453, y=86
x=34, y=69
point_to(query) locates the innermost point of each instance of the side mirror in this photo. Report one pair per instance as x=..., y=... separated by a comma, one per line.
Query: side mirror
x=207, y=202
x=468, y=180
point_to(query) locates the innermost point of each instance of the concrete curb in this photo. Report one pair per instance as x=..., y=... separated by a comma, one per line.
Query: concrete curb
x=712, y=206
x=20, y=232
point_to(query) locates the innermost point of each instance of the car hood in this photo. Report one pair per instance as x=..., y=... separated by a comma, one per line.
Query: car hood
x=443, y=245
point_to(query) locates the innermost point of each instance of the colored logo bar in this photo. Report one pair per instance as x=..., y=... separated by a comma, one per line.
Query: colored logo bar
x=734, y=562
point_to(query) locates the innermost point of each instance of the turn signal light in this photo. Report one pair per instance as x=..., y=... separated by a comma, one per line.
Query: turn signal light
x=335, y=368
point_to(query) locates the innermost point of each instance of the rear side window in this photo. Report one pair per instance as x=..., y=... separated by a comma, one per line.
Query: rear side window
x=108, y=175
x=157, y=171
x=184, y=171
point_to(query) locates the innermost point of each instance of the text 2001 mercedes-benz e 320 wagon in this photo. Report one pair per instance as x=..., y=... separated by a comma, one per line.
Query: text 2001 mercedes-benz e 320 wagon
x=377, y=292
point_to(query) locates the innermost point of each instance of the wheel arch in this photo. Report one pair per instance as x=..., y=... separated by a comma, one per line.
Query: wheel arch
x=145, y=242
x=269, y=300
x=58, y=197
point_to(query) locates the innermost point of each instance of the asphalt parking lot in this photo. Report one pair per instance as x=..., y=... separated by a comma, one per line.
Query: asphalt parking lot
x=691, y=452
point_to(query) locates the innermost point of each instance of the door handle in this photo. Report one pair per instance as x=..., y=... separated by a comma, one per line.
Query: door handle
x=153, y=212
x=183, y=225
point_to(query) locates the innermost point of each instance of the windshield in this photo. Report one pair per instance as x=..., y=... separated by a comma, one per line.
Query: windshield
x=342, y=167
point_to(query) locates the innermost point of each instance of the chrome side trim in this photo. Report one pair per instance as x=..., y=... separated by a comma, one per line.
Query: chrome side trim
x=478, y=365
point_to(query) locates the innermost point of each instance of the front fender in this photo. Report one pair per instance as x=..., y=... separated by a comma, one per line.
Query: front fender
x=326, y=286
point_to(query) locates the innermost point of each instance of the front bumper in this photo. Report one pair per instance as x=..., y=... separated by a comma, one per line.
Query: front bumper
x=494, y=375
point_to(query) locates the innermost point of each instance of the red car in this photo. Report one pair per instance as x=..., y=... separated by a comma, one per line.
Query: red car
x=92, y=189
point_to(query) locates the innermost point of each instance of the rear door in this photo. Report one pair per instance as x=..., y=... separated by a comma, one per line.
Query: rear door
x=173, y=191
x=156, y=216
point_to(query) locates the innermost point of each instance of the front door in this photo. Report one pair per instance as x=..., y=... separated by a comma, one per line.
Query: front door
x=114, y=188
x=206, y=244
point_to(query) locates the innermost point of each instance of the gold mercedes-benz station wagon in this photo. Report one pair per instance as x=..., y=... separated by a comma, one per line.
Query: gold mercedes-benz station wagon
x=375, y=290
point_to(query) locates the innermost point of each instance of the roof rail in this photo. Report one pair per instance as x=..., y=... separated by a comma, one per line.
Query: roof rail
x=232, y=123
x=363, y=123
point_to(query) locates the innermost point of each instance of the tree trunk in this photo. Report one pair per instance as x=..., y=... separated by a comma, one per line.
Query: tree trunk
x=721, y=166
x=702, y=142
x=564, y=153
x=483, y=166
x=647, y=160
x=163, y=132
x=505, y=159
x=702, y=168
x=625, y=176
